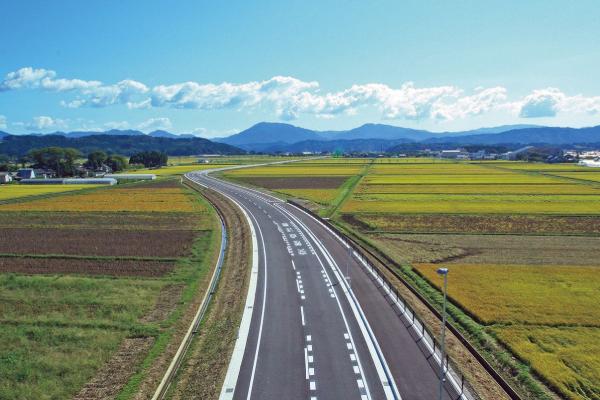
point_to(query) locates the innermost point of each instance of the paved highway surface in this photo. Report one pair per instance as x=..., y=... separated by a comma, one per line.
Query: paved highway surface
x=308, y=332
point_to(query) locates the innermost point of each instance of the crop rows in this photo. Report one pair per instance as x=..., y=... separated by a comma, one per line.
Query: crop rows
x=81, y=271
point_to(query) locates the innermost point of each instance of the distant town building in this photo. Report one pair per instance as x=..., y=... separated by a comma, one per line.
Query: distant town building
x=70, y=181
x=455, y=154
x=590, y=163
x=5, y=177
x=142, y=177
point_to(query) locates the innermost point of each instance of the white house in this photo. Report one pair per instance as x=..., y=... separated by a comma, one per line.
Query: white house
x=5, y=177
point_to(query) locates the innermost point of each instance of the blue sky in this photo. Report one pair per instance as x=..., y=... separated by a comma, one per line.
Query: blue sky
x=216, y=68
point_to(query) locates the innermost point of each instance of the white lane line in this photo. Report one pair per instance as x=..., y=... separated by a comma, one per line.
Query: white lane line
x=262, y=313
x=309, y=338
x=306, y=362
x=294, y=266
x=313, y=385
x=391, y=390
x=302, y=314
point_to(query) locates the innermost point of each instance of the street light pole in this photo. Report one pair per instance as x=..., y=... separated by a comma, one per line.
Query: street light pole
x=444, y=273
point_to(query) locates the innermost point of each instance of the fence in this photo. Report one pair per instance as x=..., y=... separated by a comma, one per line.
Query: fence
x=427, y=341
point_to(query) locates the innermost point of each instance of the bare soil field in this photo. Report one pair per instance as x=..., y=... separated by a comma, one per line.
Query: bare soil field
x=491, y=249
x=307, y=182
x=90, y=242
x=38, y=265
x=128, y=221
x=500, y=224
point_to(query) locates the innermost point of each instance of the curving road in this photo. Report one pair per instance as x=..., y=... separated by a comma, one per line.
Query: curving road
x=307, y=331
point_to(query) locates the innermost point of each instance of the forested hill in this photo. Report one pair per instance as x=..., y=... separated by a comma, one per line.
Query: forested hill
x=16, y=145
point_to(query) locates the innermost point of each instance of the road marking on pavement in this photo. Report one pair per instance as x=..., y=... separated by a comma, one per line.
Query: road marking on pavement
x=302, y=314
x=382, y=367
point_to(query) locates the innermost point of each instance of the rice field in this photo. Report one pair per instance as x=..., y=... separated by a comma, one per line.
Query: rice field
x=117, y=199
x=15, y=191
x=460, y=179
x=529, y=294
x=84, y=274
x=585, y=176
x=473, y=204
x=307, y=169
x=567, y=357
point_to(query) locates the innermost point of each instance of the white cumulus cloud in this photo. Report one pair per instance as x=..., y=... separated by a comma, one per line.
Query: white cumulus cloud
x=44, y=122
x=2, y=122
x=290, y=98
x=155, y=123
x=551, y=101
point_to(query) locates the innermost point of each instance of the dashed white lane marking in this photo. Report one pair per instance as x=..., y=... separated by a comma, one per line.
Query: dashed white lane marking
x=294, y=266
x=313, y=385
x=308, y=338
x=302, y=314
x=346, y=336
x=306, y=362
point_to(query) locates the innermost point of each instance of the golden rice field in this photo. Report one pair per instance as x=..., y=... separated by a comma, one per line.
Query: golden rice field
x=410, y=160
x=564, y=188
x=567, y=357
x=586, y=176
x=466, y=179
x=524, y=166
x=532, y=294
x=435, y=169
x=471, y=204
x=177, y=169
x=115, y=199
x=15, y=191
x=297, y=170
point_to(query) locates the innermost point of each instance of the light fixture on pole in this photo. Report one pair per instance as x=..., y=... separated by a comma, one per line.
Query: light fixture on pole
x=444, y=273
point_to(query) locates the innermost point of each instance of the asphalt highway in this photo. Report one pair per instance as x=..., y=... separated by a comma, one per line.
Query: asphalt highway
x=315, y=325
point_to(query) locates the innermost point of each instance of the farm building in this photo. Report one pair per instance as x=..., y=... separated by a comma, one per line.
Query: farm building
x=143, y=177
x=5, y=178
x=458, y=154
x=26, y=173
x=70, y=181
x=590, y=163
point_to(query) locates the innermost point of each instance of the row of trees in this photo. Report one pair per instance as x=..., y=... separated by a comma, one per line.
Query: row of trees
x=149, y=159
x=63, y=160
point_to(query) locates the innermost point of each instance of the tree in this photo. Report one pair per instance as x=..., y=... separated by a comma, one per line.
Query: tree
x=116, y=162
x=96, y=160
x=149, y=159
x=61, y=160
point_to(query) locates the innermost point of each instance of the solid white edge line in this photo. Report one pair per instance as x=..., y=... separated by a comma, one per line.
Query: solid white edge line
x=237, y=356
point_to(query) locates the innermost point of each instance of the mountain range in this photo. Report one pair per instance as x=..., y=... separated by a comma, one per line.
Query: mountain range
x=279, y=137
